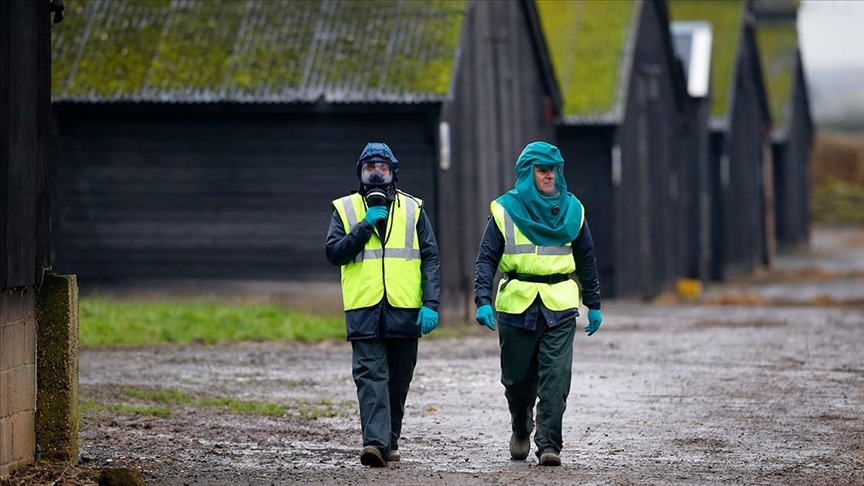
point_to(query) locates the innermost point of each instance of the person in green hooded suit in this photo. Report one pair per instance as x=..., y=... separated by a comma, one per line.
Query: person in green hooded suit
x=537, y=235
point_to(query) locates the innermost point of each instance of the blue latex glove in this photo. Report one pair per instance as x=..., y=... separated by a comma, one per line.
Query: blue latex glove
x=427, y=319
x=594, y=320
x=375, y=214
x=485, y=316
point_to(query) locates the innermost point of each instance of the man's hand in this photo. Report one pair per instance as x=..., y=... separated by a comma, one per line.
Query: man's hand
x=427, y=319
x=375, y=214
x=594, y=321
x=485, y=316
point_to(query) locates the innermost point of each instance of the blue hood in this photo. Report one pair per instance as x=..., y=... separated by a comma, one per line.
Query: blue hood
x=378, y=152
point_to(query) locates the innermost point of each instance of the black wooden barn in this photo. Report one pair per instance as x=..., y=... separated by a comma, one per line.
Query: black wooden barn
x=624, y=100
x=25, y=97
x=25, y=104
x=792, y=131
x=740, y=166
x=206, y=139
x=693, y=46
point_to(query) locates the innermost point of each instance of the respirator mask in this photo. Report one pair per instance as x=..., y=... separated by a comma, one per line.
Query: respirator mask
x=376, y=183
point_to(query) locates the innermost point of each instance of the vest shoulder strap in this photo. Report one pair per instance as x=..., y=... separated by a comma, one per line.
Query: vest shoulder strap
x=415, y=198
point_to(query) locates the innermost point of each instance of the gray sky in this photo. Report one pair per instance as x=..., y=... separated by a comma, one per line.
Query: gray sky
x=832, y=33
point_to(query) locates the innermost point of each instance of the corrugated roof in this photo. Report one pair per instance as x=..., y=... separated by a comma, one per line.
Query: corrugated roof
x=725, y=17
x=588, y=45
x=272, y=51
x=778, y=52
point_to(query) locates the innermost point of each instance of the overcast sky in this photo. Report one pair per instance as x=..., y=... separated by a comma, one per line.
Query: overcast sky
x=832, y=33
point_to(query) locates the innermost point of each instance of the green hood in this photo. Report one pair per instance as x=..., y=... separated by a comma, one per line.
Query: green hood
x=532, y=212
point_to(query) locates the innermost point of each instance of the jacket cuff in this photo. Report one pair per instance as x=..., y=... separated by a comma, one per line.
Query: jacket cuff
x=481, y=301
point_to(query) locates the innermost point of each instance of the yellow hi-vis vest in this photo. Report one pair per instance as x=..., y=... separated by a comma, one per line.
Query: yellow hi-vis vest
x=394, y=269
x=523, y=257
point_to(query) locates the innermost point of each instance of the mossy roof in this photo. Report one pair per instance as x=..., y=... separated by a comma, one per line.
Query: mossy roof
x=587, y=44
x=271, y=51
x=725, y=17
x=778, y=53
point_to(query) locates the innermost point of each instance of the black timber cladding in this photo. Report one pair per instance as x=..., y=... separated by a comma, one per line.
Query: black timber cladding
x=25, y=94
x=692, y=41
x=502, y=101
x=187, y=191
x=504, y=97
x=791, y=154
x=741, y=159
x=628, y=174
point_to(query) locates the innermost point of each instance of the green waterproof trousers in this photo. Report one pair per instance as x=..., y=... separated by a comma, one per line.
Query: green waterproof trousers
x=537, y=363
x=382, y=370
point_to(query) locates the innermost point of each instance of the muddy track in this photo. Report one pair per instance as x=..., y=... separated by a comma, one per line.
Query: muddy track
x=662, y=394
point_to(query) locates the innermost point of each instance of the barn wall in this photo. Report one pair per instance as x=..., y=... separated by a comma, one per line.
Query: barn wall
x=587, y=153
x=210, y=192
x=791, y=172
x=500, y=105
x=25, y=67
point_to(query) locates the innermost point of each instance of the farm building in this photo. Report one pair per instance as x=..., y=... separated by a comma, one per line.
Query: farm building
x=740, y=165
x=203, y=139
x=693, y=46
x=792, y=131
x=25, y=95
x=624, y=112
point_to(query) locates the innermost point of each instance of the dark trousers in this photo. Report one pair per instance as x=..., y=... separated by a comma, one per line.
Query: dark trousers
x=537, y=364
x=382, y=370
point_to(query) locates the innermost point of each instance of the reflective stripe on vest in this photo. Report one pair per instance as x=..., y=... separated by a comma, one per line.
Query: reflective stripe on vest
x=366, y=277
x=522, y=256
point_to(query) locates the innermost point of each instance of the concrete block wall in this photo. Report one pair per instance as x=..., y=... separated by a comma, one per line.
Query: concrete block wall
x=17, y=378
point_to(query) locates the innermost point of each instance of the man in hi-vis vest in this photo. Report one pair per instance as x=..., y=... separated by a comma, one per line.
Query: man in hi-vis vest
x=391, y=283
x=537, y=236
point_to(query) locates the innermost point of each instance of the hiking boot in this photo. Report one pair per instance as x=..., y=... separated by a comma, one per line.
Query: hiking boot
x=394, y=456
x=550, y=459
x=519, y=448
x=371, y=456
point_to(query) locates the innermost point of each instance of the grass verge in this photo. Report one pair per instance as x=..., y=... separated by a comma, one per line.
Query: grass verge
x=117, y=323
x=162, y=399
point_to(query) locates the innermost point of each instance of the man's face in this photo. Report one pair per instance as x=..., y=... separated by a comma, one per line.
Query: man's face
x=376, y=173
x=544, y=179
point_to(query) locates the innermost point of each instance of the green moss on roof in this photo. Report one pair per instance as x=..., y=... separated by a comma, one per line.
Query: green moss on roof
x=725, y=19
x=586, y=40
x=66, y=40
x=209, y=50
x=778, y=47
x=432, y=71
x=195, y=50
x=276, y=58
x=122, y=49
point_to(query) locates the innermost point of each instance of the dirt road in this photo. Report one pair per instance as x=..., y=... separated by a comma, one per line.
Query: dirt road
x=681, y=394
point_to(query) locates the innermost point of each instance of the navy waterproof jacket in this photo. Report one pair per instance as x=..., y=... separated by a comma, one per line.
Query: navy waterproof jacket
x=383, y=320
x=489, y=255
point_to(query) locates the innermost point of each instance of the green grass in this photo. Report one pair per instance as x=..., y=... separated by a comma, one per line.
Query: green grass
x=118, y=323
x=838, y=202
x=165, y=398
x=173, y=396
x=90, y=406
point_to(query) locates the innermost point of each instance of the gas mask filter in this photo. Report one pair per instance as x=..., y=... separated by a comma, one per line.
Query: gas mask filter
x=376, y=183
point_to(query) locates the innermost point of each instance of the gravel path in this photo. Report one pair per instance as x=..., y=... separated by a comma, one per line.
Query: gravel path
x=682, y=394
